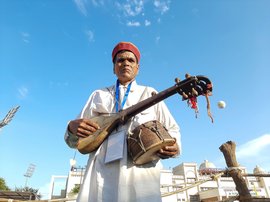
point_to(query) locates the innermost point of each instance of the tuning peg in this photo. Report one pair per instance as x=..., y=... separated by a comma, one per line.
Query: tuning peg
x=153, y=93
x=177, y=80
x=194, y=92
x=185, y=96
x=187, y=76
x=209, y=93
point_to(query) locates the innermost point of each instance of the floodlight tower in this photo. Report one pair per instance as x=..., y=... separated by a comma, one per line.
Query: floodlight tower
x=9, y=116
x=29, y=172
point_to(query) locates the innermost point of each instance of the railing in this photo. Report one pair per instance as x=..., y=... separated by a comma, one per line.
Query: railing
x=49, y=200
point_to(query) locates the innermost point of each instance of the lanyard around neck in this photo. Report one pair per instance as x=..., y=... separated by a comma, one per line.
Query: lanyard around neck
x=117, y=95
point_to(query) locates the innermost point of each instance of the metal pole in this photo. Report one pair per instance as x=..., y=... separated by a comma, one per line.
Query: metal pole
x=26, y=179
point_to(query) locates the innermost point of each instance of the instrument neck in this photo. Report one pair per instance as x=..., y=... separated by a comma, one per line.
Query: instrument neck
x=143, y=105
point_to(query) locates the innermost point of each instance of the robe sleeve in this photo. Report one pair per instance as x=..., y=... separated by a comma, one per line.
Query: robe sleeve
x=99, y=102
x=87, y=112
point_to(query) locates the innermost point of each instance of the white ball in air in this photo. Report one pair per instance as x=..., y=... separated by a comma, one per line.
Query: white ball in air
x=221, y=104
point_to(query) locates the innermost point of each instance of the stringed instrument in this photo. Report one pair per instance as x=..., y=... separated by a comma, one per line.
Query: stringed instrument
x=189, y=89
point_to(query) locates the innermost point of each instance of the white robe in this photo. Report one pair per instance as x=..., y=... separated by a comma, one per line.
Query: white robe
x=121, y=180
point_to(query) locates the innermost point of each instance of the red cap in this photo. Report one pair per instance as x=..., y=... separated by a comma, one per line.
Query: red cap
x=126, y=46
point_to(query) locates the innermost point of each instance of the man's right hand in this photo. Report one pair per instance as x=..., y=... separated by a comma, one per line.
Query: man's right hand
x=82, y=127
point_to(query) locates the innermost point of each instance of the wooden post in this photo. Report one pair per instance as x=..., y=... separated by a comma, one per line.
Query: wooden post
x=228, y=150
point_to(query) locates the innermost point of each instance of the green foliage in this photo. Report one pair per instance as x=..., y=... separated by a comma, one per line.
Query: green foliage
x=75, y=189
x=3, y=185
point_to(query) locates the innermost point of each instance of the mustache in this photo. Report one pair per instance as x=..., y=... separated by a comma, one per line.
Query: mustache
x=127, y=69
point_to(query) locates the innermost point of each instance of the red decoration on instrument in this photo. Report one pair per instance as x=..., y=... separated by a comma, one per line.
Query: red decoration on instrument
x=197, y=85
x=193, y=102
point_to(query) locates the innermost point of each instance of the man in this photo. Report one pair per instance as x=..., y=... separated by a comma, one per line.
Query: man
x=110, y=174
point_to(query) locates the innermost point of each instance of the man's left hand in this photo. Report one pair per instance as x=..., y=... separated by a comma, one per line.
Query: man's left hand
x=168, y=151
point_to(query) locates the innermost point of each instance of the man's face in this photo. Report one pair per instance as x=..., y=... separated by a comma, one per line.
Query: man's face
x=126, y=67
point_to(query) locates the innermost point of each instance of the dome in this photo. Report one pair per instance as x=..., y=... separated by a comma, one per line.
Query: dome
x=207, y=165
x=258, y=170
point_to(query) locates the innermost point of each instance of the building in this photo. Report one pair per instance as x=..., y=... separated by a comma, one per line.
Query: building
x=188, y=182
x=199, y=185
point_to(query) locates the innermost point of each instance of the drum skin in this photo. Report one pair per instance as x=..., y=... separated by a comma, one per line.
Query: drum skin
x=145, y=140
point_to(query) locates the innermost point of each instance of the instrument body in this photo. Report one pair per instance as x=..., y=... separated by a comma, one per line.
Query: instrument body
x=192, y=86
x=107, y=124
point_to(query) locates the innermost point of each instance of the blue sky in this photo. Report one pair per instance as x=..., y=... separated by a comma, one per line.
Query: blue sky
x=53, y=54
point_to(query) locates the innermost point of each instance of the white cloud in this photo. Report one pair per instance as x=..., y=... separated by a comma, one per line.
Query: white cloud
x=127, y=10
x=81, y=5
x=131, y=7
x=133, y=24
x=162, y=6
x=254, y=148
x=25, y=37
x=253, y=153
x=98, y=2
x=90, y=35
x=147, y=23
x=157, y=39
x=23, y=92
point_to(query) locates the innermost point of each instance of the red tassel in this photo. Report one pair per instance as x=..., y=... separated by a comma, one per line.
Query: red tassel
x=193, y=102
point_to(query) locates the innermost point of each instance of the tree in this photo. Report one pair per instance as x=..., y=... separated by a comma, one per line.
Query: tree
x=3, y=185
x=75, y=190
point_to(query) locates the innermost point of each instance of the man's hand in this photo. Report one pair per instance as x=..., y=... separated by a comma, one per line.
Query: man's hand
x=82, y=127
x=168, y=151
